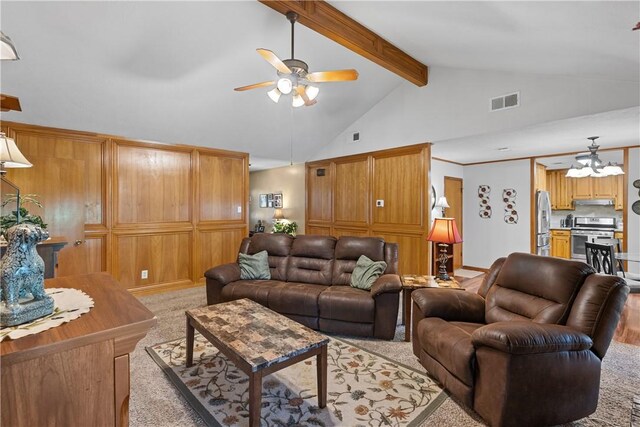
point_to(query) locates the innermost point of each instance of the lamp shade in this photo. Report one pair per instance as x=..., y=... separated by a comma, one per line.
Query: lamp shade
x=277, y=214
x=442, y=202
x=444, y=230
x=10, y=156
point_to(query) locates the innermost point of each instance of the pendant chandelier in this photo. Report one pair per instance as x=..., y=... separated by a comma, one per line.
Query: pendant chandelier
x=591, y=165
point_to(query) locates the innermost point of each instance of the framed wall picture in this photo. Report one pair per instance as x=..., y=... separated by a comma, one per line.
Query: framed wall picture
x=263, y=201
x=270, y=200
x=277, y=200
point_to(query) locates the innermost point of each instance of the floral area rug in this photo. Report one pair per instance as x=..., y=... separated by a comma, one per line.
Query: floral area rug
x=364, y=389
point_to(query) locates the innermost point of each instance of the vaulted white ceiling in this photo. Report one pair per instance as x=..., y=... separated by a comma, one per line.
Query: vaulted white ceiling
x=165, y=71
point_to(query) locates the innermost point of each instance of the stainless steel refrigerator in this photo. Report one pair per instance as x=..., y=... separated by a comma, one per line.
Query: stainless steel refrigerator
x=543, y=223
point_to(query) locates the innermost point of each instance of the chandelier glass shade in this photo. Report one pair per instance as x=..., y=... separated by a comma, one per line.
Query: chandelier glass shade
x=591, y=165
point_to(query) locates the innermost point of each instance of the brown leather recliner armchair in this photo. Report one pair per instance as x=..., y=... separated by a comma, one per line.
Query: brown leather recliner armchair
x=526, y=349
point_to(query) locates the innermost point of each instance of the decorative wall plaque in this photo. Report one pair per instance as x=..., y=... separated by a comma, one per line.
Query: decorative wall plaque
x=483, y=194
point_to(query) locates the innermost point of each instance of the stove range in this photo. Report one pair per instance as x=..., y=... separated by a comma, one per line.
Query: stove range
x=589, y=229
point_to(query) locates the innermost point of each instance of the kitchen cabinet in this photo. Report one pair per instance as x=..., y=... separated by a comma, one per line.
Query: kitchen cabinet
x=582, y=188
x=605, y=187
x=559, y=187
x=541, y=177
x=561, y=243
x=619, y=193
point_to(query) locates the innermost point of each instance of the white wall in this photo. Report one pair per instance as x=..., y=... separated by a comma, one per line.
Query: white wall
x=439, y=170
x=485, y=240
x=288, y=180
x=455, y=104
x=633, y=220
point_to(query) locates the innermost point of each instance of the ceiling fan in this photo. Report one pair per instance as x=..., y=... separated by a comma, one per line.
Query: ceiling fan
x=294, y=76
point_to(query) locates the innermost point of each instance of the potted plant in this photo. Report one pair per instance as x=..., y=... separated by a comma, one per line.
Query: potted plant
x=287, y=227
x=21, y=214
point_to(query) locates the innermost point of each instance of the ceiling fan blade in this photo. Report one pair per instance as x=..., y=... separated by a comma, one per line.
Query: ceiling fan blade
x=307, y=102
x=273, y=59
x=254, y=86
x=332, y=76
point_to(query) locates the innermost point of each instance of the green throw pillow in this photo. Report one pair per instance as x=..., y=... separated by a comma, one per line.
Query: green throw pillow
x=254, y=267
x=366, y=272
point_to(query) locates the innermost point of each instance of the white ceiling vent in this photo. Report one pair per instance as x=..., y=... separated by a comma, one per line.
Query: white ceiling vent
x=504, y=102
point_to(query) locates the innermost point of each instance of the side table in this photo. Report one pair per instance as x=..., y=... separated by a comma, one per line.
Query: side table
x=411, y=282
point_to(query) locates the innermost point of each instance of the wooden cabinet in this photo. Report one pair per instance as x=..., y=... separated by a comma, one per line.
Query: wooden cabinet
x=76, y=374
x=582, y=188
x=605, y=187
x=561, y=243
x=563, y=191
x=559, y=187
x=541, y=177
x=620, y=236
x=619, y=193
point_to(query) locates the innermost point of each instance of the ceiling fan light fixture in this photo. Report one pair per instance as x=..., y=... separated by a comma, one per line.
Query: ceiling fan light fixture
x=7, y=49
x=274, y=94
x=297, y=101
x=612, y=169
x=312, y=92
x=285, y=85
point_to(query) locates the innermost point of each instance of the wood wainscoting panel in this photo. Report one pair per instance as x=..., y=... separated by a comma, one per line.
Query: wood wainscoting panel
x=413, y=251
x=399, y=180
x=319, y=192
x=217, y=247
x=351, y=200
x=350, y=231
x=166, y=256
x=321, y=230
x=152, y=184
x=95, y=253
x=222, y=184
x=66, y=147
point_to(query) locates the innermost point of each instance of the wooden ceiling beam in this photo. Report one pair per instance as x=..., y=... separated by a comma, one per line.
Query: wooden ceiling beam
x=8, y=103
x=325, y=19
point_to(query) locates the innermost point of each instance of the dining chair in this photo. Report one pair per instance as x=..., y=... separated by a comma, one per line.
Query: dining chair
x=601, y=257
x=618, y=248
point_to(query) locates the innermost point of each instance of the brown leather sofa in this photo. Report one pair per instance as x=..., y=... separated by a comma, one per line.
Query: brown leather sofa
x=310, y=283
x=526, y=349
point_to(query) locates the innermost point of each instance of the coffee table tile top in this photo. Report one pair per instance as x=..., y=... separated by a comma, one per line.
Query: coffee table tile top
x=260, y=336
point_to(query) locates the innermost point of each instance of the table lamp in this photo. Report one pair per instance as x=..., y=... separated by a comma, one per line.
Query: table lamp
x=444, y=232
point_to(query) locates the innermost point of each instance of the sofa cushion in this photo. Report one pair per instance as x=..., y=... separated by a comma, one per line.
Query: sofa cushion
x=450, y=344
x=366, y=272
x=256, y=290
x=311, y=260
x=309, y=246
x=254, y=267
x=348, y=304
x=278, y=247
x=296, y=298
x=529, y=287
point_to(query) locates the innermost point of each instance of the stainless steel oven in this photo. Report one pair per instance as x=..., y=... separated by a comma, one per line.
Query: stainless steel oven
x=580, y=237
x=588, y=229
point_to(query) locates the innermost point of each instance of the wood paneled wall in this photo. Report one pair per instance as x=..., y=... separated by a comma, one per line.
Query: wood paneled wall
x=125, y=206
x=342, y=202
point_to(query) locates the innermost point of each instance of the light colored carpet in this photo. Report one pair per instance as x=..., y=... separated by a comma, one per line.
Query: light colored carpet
x=155, y=401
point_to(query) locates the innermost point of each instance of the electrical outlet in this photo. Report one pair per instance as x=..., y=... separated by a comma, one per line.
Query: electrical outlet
x=239, y=209
x=380, y=203
x=144, y=274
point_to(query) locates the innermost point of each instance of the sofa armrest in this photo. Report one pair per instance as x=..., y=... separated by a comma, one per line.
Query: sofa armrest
x=217, y=278
x=449, y=304
x=385, y=284
x=525, y=337
x=225, y=273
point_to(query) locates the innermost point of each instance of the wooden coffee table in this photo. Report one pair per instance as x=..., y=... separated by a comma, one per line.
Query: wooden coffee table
x=411, y=282
x=259, y=342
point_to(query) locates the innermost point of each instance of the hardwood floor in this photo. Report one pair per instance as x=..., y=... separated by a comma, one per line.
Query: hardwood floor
x=628, y=331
